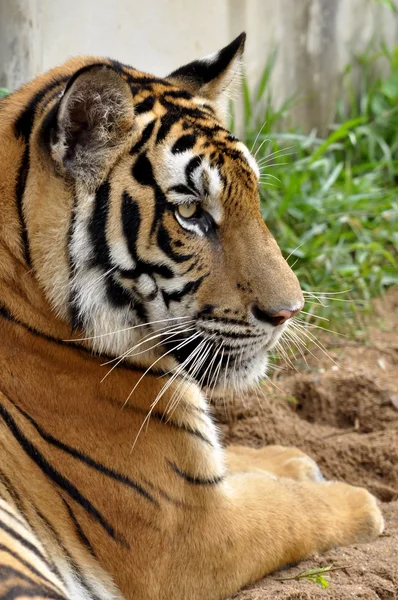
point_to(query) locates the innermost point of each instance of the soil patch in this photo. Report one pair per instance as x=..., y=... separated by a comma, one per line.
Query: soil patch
x=342, y=411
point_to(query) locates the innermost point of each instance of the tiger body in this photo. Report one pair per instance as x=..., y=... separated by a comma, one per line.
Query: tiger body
x=57, y=485
x=113, y=482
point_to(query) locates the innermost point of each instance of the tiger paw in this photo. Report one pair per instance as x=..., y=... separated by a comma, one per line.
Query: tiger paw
x=356, y=515
x=279, y=460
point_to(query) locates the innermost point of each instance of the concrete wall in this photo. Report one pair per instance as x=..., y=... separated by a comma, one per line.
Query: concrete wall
x=315, y=38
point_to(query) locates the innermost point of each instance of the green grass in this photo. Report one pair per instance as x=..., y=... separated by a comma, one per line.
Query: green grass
x=332, y=203
x=3, y=92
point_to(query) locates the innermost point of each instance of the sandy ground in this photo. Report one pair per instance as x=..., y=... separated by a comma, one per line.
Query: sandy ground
x=345, y=416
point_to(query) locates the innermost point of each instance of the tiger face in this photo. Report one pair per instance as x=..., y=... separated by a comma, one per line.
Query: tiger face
x=145, y=227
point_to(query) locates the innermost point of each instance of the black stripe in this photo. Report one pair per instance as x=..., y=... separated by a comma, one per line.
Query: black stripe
x=38, y=590
x=76, y=318
x=70, y=560
x=196, y=480
x=24, y=124
x=48, y=128
x=120, y=297
x=165, y=420
x=117, y=295
x=79, y=531
x=19, y=193
x=97, y=227
x=147, y=80
x=25, y=563
x=193, y=164
x=184, y=143
x=189, y=288
x=143, y=172
x=165, y=244
x=192, y=113
x=171, y=117
x=206, y=315
x=175, y=94
x=146, y=134
x=235, y=335
x=119, y=67
x=25, y=543
x=85, y=351
x=108, y=472
x=56, y=477
x=182, y=189
x=16, y=498
x=131, y=222
x=19, y=504
x=23, y=128
x=15, y=518
x=145, y=106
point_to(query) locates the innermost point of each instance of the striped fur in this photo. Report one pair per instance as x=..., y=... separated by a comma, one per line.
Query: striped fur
x=131, y=235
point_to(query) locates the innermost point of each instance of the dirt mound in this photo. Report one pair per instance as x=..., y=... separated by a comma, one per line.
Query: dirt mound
x=342, y=411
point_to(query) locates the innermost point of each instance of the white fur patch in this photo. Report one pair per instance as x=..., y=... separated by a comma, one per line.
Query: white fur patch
x=207, y=182
x=146, y=285
x=120, y=255
x=249, y=157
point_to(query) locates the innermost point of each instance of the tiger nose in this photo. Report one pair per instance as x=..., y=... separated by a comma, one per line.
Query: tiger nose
x=275, y=317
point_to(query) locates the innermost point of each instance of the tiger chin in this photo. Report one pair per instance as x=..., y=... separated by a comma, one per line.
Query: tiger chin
x=131, y=235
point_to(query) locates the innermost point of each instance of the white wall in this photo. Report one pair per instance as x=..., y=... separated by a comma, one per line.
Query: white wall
x=315, y=38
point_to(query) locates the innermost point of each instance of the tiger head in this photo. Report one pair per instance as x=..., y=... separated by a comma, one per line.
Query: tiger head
x=144, y=223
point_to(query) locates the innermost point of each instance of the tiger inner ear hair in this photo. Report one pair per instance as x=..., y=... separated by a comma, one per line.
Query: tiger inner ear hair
x=94, y=123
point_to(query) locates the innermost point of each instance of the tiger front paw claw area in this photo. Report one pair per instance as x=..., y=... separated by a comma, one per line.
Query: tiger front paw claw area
x=358, y=515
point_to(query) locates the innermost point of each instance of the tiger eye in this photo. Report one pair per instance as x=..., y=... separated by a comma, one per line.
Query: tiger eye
x=187, y=211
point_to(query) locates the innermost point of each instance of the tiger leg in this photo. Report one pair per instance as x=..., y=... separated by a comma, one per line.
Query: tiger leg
x=256, y=523
x=283, y=461
x=26, y=570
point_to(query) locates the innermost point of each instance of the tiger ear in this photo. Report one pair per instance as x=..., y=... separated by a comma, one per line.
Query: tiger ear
x=212, y=75
x=94, y=123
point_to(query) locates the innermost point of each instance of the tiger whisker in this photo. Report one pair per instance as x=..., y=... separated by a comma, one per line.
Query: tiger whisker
x=293, y=251
x=211, y=366
x=180, y=370
x=282, y=152
x=154, y=403
x=313, y=326
x=317, y=343
x=303, y=312
x=94, y=337
x=327, y=293
x=269, y=175
x=298, y=343
x=181, y=327
x=217, y=371
x=201, y=357
x=271, y=165
x=186, y=341
x=282, y=351
x=260, y=146
x=258, y=134
x=279, y=151
x=184, y=368
x=130, y=351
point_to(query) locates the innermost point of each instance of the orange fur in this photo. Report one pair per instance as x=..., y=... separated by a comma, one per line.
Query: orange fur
x=92, y=503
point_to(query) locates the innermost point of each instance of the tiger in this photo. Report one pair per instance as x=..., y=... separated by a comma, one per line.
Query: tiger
x=138, y=278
